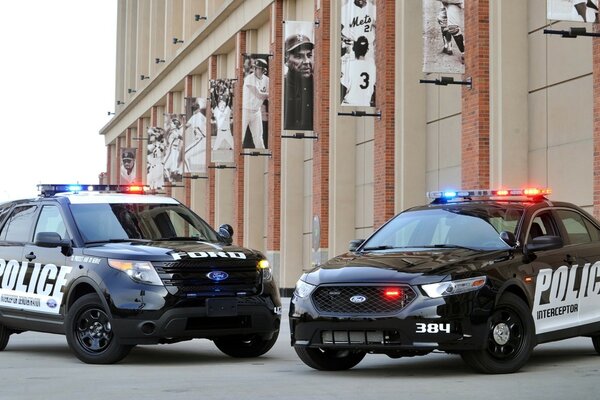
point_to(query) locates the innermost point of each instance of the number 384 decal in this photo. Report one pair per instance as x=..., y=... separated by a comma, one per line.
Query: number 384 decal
x=432, y=328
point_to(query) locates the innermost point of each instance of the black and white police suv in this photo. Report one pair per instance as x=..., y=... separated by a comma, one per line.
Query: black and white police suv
x=114, y=270
x=480, y=273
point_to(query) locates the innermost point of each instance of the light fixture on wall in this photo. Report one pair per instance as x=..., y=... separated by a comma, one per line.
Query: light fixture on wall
x=159, y=60
x=198, y=17
x=175, y=40
x=142, y=77
x=131, y=91
x=119, y=102
x=111, y=113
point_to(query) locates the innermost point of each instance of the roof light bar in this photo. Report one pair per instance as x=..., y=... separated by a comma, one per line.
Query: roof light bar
x=46, y=190
x=450, y=194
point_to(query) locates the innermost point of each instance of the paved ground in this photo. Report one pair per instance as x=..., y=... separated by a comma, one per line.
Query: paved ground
x=40, y=366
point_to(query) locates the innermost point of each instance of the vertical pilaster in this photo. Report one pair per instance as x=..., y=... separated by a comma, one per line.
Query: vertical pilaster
x=384, y=143
x=475, y=153
x=210, y=192
x=187, y=181
x=322, y=65
x=238, y=186
x=139, y=152
x=275, y=126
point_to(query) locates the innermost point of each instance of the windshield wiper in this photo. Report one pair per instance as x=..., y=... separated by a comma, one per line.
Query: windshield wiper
x=118, y=241
x=447, y=246
x=181, y=238
x=382, y=247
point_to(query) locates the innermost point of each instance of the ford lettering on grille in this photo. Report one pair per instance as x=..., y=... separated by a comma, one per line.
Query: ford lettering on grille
x=358, y=299
x=217, y=276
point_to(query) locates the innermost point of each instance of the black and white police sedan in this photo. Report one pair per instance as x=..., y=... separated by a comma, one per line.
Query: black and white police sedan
x=485, y=274
x=115, y=270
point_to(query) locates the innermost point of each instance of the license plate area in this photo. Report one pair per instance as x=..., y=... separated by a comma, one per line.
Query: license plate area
x=221, y=307
x=352, y=337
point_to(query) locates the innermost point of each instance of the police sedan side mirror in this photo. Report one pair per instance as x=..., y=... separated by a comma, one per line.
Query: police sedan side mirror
x=226, y=233
x=508, y=238
x=545, y=242
x=355, y=244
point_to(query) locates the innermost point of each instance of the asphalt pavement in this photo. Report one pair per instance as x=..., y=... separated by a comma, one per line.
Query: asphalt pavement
x=40, y=366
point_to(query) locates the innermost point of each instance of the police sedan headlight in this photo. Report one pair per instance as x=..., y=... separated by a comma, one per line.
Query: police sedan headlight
x=453, y=287
x=303, y=289
x=139, y=271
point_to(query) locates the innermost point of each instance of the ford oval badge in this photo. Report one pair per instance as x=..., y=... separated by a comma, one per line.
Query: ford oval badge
x=217, y=276
x=51, y=303
x=359, y=298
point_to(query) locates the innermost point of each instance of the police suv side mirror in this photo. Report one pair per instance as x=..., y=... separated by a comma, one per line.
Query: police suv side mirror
x=545, y=242
x=52, y=240
x=508, y=238
x=226, y=233
x=355, y=244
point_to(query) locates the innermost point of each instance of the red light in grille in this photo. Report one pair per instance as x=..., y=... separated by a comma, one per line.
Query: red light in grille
x=392, y=293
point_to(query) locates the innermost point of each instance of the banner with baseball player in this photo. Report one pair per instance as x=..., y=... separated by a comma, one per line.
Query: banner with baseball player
x=298, y=70
x=358, y=70
x=128, y=170
x=221, y=105
x=174, y=147
x=255, y=102
x=443, y=36
x=573, y=10
x=194, y=158
x=155, y=150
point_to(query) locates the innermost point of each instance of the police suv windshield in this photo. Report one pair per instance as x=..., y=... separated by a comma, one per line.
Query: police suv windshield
x=447, y=227
x=102, y=222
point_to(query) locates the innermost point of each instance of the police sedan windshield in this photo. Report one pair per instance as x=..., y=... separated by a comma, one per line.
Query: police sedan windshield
x=448, y=226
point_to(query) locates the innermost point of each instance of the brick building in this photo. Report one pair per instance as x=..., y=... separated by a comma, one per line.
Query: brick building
x=527, y=118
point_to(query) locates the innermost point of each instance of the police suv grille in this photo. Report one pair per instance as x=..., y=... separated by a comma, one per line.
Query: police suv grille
x=362, y=299
x=192, y=277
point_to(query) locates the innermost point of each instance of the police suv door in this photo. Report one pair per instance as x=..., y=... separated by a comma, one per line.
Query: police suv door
x=47, y=271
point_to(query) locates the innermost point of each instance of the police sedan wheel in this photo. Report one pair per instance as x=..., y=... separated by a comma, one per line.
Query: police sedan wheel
x=329, y=359
x=596, y=342
x=246, y=346
x=4, y=335
x=510, y=338
x=89, y=333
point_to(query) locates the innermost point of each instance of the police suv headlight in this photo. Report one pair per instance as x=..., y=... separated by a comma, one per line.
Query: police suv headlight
x=265, y=267
x=303, y=289
x=450, y=288
x=139, y=271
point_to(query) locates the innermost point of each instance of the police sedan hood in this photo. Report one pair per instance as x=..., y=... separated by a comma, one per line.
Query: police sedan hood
x=412, y=267
x=170, y=251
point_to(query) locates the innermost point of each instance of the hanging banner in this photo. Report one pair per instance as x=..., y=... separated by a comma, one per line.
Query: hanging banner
x=221, y=103
x=194, y=159
x=358, y=71
x=443, y=36
x=155, y=151
x=255, y=101
x=298, y=72
x=573, y=10
x=173, y=156
x=128, y=173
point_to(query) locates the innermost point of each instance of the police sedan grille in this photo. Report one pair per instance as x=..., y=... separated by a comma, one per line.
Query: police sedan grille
x=362, y=299
x=191, y=276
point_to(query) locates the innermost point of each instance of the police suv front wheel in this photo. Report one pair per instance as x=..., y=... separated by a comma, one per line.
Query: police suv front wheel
x=329, y=359
x=510, y=338
x=4, y=335
x=89, y=332
x=246, y=346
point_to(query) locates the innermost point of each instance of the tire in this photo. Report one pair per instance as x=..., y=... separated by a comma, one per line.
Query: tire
x=510, y=341
x=246, y=346
x=329, y=359
x=596, y=342
x=4, y=336
x=89, y=332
